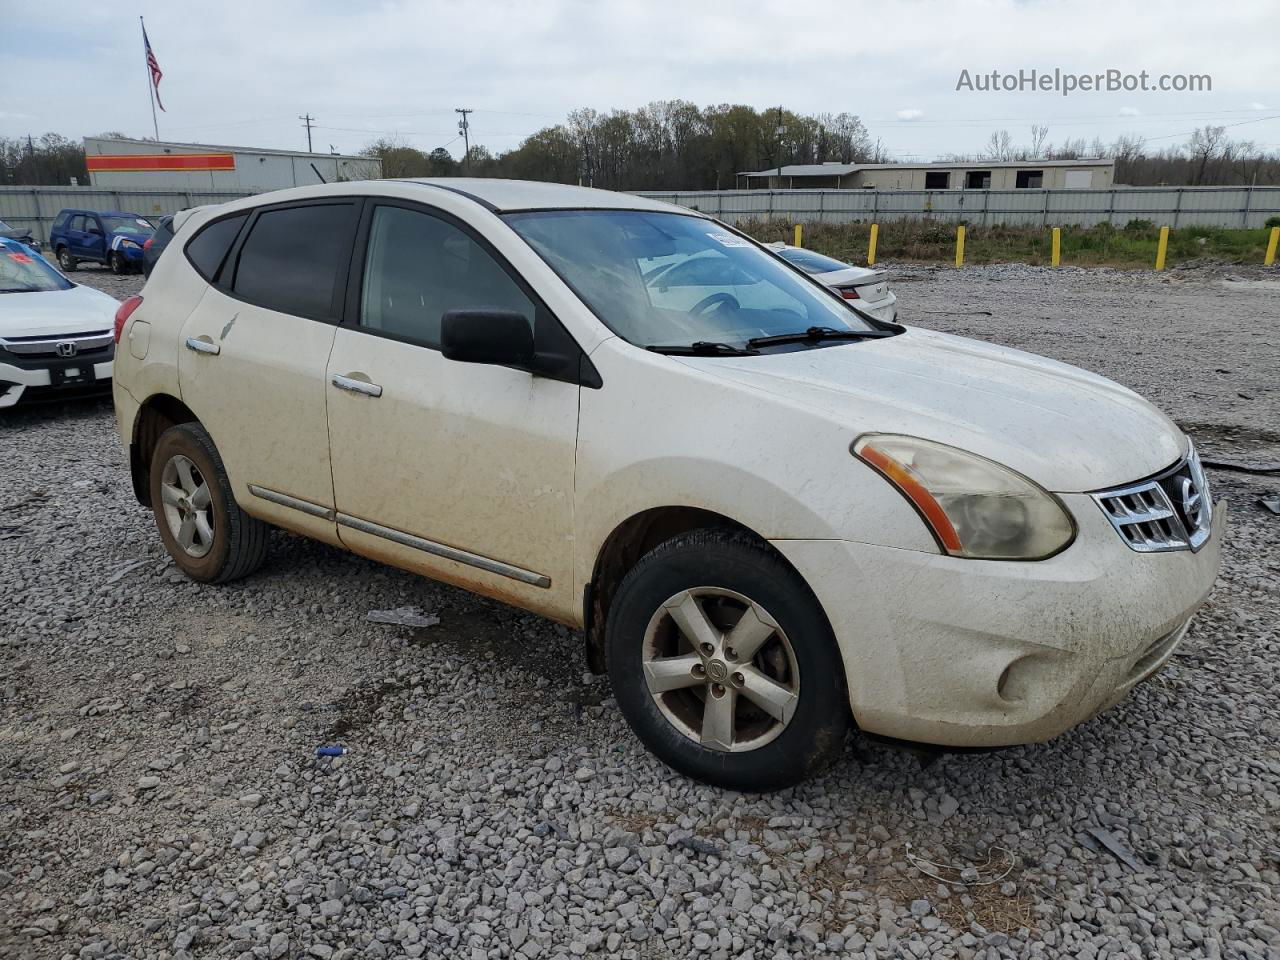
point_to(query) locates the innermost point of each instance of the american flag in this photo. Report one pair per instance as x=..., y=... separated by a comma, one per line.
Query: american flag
x=153, y=67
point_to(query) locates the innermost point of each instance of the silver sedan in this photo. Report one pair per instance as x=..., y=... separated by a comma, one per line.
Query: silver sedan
x=870, y=288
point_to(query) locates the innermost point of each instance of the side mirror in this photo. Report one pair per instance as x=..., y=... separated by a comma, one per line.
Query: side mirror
x=502, y=337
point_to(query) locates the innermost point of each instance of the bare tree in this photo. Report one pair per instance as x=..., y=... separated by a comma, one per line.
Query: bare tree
x=1000, y=145
x=1039, y=135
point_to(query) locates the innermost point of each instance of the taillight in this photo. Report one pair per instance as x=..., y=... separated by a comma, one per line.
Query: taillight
x=124, y=313
x=849, y=293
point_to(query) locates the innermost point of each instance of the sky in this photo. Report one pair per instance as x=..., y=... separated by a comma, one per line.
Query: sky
x=241, y=73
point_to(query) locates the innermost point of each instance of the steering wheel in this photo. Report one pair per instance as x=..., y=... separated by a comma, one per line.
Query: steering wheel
x=715, y=300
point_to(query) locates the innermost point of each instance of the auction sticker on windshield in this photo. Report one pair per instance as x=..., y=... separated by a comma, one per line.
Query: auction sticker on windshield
x=729, y=240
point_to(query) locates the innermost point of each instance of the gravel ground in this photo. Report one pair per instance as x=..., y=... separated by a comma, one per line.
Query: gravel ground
x=160, y=796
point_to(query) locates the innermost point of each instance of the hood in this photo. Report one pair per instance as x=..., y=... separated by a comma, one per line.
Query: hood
x=1068, y=430
x=56, y=312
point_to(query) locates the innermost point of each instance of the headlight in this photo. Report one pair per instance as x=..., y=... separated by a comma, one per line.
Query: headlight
x=130, y=243
x=974, y=506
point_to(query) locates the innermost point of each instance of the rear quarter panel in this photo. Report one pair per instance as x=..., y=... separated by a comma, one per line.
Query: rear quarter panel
x=169, y=296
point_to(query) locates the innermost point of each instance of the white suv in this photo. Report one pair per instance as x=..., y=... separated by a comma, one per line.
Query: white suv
x=769, y=513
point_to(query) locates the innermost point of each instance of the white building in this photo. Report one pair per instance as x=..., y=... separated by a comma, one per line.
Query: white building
x=149, y=164
x=1096, y=173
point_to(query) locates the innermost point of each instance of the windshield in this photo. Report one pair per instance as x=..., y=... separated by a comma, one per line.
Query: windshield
x=21, y=271
x=670, y=279
x=130, y=226
x=811, y=262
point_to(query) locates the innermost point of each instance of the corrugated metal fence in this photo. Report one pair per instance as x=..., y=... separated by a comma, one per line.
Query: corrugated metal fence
x=1165, y=206
x=35, y=207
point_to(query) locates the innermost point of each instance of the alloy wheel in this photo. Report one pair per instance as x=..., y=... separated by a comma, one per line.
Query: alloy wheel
x=188, y=507
x=720, y=669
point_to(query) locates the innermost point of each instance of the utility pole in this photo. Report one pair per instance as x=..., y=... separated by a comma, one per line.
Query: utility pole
x=308, y=119
x=464, y=131
x=778, y=131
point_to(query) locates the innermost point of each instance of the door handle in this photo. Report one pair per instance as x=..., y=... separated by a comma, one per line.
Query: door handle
x=203, y=346
x=351, y=385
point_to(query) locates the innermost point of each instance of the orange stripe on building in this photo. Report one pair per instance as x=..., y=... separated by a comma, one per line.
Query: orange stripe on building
x=144, y=163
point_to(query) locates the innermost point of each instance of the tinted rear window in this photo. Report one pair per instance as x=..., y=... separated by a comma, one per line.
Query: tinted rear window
x=209, y=247
x=293, y=256
x=811, y=262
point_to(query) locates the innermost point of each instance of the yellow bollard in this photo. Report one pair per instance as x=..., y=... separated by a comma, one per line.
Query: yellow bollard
x=799, y=236
x=871, y=245
x=1057, y=246
x=960, y=245
x=1267, y=261
x=1162, y=248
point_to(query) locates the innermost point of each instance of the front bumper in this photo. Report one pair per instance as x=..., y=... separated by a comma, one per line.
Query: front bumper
x=49, y=377
x=974, y=653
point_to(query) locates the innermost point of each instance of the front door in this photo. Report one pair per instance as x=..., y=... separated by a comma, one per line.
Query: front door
x=463, y=472
x=253, y=355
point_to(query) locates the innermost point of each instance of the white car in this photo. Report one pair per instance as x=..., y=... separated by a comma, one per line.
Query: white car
x=771, y=515
x=55, y=335
x=869, y=288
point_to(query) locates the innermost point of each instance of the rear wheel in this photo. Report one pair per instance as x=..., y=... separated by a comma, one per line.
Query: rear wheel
x=724, y=664
x=206, y=533
x=117, y=262
x=65, y=260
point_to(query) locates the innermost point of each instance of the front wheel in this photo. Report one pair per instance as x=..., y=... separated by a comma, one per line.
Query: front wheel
x=206, y=533
x=65, y=260
x=119, y=266
x=724, y=663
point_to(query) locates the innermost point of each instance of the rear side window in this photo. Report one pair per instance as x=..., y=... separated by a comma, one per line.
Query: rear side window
x=209, y=247
x=61, y=222
x=293, y=257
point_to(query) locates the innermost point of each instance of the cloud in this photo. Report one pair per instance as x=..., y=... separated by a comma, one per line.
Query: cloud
x=1130, y=112
x=368, y=70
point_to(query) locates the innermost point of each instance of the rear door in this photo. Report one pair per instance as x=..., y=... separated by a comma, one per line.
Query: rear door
x=254, y=354
x=78, y=235
x=95, y=239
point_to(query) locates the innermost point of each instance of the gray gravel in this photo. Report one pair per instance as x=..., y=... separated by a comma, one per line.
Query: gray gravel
x=160, y=795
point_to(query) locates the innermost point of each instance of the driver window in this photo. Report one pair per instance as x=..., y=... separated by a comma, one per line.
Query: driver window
x=419, y=266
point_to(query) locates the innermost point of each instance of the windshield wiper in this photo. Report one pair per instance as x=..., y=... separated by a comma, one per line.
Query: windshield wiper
x=703, y=348
x=816, y=334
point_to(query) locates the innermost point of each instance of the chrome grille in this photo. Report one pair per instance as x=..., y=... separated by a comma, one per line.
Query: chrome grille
x=46, y=346
x=1171, y=511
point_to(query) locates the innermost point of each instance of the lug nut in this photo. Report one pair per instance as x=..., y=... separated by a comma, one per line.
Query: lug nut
x=739, y=679
x=717, y=689
x=699, y=669
x=730, y=653
x=708, y=649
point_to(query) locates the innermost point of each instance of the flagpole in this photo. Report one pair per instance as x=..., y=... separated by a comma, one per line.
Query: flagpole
x=151, y=93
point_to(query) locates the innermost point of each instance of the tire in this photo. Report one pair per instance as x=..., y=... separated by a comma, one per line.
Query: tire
x=226, y=543
x=117, y=263
x=66, y=261
x=729, y=576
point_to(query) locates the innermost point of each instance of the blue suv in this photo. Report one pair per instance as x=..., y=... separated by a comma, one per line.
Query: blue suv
x=110, y=237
